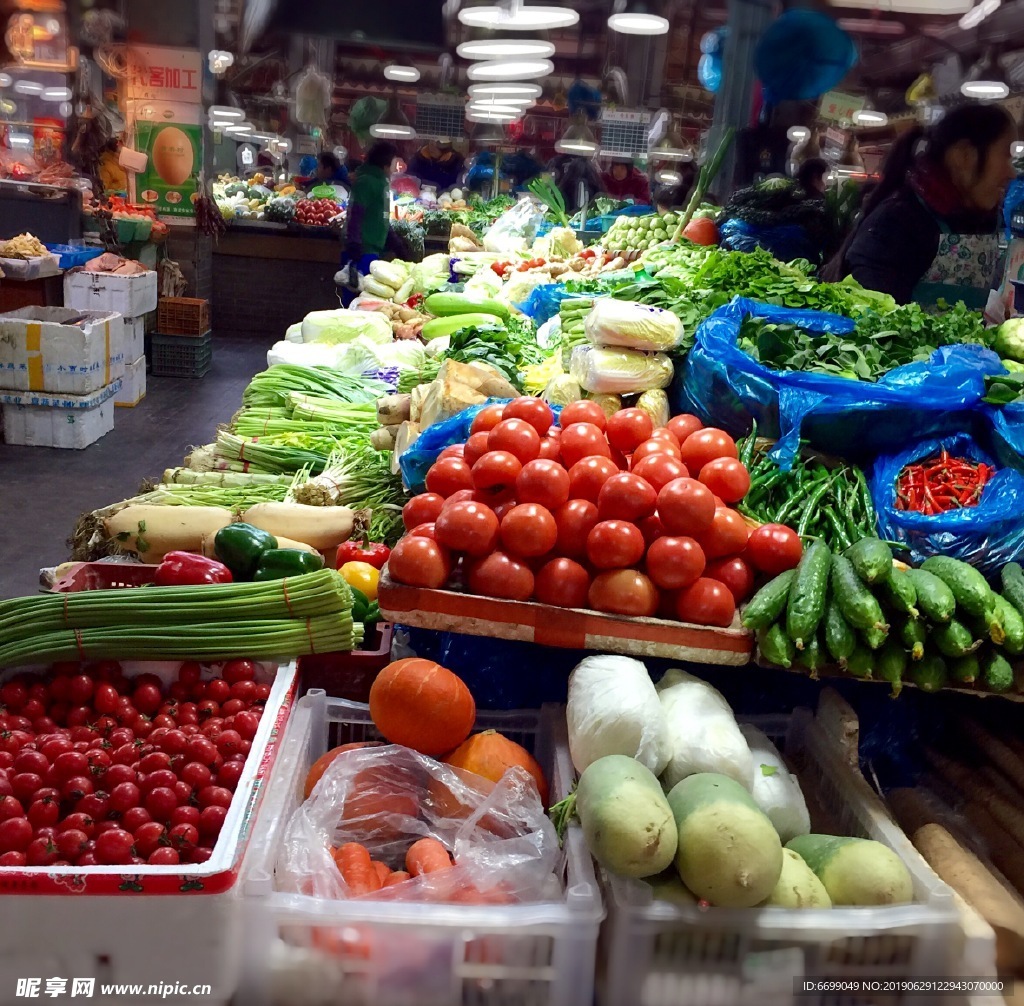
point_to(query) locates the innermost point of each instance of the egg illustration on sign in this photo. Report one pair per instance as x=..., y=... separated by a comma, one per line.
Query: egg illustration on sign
x=173, y=156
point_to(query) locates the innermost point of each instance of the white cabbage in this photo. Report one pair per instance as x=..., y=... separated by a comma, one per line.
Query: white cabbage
x=619, y=371
x=614, y=322
x=344, y=326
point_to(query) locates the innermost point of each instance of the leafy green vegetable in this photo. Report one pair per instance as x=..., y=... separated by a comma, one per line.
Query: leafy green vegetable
x=1003, y=389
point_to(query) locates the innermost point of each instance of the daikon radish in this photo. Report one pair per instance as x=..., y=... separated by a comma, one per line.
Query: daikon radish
x=153, y=531
x=322, y=527
x=702, y=731
x=613, y=709
x=775, y=790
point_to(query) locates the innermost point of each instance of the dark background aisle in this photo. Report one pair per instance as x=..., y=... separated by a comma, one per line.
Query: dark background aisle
x=43, y=490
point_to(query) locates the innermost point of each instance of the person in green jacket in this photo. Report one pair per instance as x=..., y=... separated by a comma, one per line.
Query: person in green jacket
x=369, y=211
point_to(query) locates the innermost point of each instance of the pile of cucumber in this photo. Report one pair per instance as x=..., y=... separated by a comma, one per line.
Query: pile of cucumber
x=938, y=626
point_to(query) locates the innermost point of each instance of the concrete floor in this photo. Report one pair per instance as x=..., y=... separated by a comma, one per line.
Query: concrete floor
x=44, y=490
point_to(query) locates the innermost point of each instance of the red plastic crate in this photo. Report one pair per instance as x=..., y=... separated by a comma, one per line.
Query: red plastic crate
x=104, y=576
x=348, y=674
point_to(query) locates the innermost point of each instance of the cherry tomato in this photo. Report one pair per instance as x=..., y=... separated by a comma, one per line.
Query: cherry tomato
x=735, y=573
x=774, y=548
x=653, y=446
x=562, y=582
x=664, y=433
x=476, y=448
x=583, y=411
x=501, y=575
x=628, y=428
x=420, y=562
x=496, y=471
x=624, y=592
x=543, y=482
x=674, y=562
x=529, y=530
x=422, y=509
x=448, y=476
x=626, y=497
x=467, y=527
x=575, y=520
x=614, y=544
x=583, y=440
x=487, y=418
x=517, y=437
x=727, y=478
x=531, y=410
x=705, y=445
x=726, y=536
x=706, y=602
x=114, y=847
x=683, y=425
x=686, y=507
x=239, y=670
x=657, y=470
x=586, y=477
x=453, y=451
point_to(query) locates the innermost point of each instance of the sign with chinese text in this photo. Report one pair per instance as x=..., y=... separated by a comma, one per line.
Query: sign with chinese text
x=839, y=107
x=160, y=73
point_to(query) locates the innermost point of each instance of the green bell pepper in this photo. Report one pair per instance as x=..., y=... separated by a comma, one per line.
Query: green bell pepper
x=277, y=563
x=241, y=546
x=360, y=605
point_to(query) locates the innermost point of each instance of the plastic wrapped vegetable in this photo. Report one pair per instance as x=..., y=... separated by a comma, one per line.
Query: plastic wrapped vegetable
x=610, y=404
x=636, y=326
x=655, y=404
x=606, y=371
x=344, y=326
x=562, y=390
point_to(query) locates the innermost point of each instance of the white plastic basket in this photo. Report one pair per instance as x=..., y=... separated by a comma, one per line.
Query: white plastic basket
x=419, y=955
x=654, y=953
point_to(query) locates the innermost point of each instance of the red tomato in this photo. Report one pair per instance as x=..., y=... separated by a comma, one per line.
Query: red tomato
x=651, y=528
x=628, y=428
x=623, y=592
x=517, y=437
x=426, y=530
x=587, y=476
x=531, y=410
x=614, y=544
x=727, y=478
x=543, y=482
x=422, y=509
x=774, y=548
x=626, y=497
x=419, y=562
x=583, y=411
x=467, y=527
x=705, y=445
x=529, y=530
x=583, y=440
x=449, y=476
x=735, y=574
x=664, y=433
x=674, y=562
x=657, y=470
x=452, y=451
x=500, y=575
x=726, y=536
x=575, y=520
x=686, y=507
x=487, y=418
x=551, y=445
x=476, y=448
x=496, y=470
x=563, y=583
x=706, y=602
x=682, y=426
x=462, y=496
x=654, y=446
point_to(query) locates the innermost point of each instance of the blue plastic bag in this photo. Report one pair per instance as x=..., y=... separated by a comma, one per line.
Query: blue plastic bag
x=786, y=241
x=544, y=301
x=854, y=419
x=987, y=536
x=1008, y=434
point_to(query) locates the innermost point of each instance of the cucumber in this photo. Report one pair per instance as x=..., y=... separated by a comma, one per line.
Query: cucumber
x=969, y=587
x=840, y=640
x=855, y=601
x=914, y=635
x=437, y=327
x=729, y=853
x=996, y=673
x=1012, y=578
x=798, y=886
x=872, y=559
x=769, y=602
x=874, y=636
x=891, y=665
x=775, y=646
x=445, y=305
x=1012, y=625
x=934, y=598
x=806, y=604
x=954, y=639
x=625, y=817
x=900, y=594
x=861, y=664
x=965, y=670
x=856, y=871
x=929, y=673
x=812, y=657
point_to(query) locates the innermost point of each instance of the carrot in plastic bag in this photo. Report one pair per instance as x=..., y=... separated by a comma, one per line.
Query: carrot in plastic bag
x=398, y=877
x=427, y=855
x=357, y=868
x=383, y=871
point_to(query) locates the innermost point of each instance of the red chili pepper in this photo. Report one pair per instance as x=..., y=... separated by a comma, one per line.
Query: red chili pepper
x=186, y=569
x=374, y=553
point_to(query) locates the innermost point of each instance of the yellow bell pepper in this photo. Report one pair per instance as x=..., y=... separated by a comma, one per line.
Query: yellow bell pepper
x=362, y=576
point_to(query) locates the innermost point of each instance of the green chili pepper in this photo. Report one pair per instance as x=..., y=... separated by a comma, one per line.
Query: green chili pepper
x=748, y=448
x=869, y=506
x=811, y=509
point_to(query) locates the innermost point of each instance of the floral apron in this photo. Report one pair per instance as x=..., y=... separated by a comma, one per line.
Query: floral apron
x=963, y=269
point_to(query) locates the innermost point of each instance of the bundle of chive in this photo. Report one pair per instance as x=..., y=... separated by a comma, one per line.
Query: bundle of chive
x=277, y=619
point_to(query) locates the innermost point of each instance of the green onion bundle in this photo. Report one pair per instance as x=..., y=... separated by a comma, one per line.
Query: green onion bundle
x=329, y=410
x=232, y=497
x=272, y=386
x=226, y=480
x=277, y=455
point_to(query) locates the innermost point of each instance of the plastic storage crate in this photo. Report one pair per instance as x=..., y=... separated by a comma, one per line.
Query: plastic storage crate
x=349, y=674
x=105, y=576
x=183, y=316
x=659, y=954
x=72, y=256
x=539, y=954
x=182, y=355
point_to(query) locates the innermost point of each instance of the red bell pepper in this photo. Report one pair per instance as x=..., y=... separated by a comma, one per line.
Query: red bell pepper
x=372, y=552
x=186, y=569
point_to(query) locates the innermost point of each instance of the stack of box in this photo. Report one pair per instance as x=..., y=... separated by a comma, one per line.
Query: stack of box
x=182, y=343
x=133, y=297
x=59, y=371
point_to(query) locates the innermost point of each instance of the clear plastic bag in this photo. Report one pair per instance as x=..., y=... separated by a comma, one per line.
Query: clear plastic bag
x=387, y=797
x=619, y=371
x=634, y=326
x=515, y=230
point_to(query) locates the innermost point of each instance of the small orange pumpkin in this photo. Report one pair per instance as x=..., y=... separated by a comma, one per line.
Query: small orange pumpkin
x=319, y=767
x=490, y=754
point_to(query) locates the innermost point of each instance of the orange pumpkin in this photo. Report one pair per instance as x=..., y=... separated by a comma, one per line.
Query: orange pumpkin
x=701, y=231
x=318, y=767
x=490, y=754
x=422, y=705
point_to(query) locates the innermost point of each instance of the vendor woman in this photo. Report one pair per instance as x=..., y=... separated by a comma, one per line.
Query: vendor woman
x=929, y=230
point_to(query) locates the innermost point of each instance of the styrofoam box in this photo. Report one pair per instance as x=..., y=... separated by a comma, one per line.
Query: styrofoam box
x=133, y=388
x=134, y=337
x=59, y=349
x=159, y=924
x=129, y=296
x=655, y=953
x=413, y=954
x=44, y=420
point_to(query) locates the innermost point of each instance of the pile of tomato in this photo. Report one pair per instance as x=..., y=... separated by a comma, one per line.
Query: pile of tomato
x=316, y=212
x=597, y=512
x=100, y=769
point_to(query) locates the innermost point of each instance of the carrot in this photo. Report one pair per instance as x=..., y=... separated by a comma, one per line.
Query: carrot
x=397, y=877
x=383, y=871
x=357, y=868
x=427, y=855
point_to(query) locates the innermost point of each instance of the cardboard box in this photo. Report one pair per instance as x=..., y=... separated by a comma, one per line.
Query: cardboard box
x=133, y=387
x=134, y=338
x=40, y=350
x=70, y=421
x=129, y=296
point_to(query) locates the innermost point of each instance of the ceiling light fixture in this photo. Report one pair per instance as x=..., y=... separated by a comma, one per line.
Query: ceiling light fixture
x=239, y=129
x=393, y=124
x=672, y=147
x=1017, y=148
x=488, y=134
x=976, y=15
x=56, y=94
x=5, y=80
x=490, y=113
x=496, y=48
x=226, y=112
x=511, y=69
x=669, y=177
x=578, y=138
x=501, y=92
x=409, y=74
x=31, y=87
x=870, y=117
x=635, y=17
x=986, y=80
x=518, y=17
x=797, y=134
